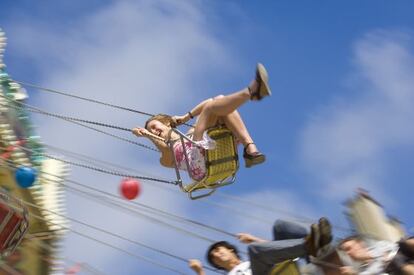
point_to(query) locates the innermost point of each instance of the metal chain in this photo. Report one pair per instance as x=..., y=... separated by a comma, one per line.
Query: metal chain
x=33, y=109
x=109, y=165
x=114, y=173
x=96, y=168
x=109, y=245
x=87, y=99
x=82, y=98
x=109, y=199
x=76, y=119
x=111, y=202
x=109, y=233
x=174, y=216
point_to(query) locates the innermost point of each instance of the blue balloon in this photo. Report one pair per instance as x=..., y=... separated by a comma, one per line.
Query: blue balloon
x=25, y=176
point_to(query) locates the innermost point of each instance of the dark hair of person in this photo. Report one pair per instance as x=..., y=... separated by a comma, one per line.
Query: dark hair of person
x=220, y=244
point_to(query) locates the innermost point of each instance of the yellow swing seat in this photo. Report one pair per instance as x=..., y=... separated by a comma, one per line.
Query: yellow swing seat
x=288, y=267
x=221, y=163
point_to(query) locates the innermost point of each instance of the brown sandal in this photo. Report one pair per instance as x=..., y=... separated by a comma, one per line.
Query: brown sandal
x=263, y=89
x=254, y=158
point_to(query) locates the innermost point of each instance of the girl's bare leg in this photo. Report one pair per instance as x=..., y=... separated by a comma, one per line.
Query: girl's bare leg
x=204, y=121
x=235, y=123
x=224, y=105
x=220, y=106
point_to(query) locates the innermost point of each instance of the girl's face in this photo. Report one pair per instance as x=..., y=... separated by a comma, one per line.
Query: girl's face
x=157, y=128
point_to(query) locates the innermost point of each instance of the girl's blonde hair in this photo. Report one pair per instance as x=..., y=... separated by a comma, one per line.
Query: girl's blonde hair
x=163, y=118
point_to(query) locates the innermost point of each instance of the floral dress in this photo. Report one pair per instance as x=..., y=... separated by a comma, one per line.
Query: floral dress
x=195, y=154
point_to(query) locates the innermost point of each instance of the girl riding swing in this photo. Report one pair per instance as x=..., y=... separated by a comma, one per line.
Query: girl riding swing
x=211, y=112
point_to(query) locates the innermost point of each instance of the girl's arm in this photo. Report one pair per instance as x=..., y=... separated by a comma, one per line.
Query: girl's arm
x=248, y=238
x=158, y=141
x=192, y=113
x=165, y=159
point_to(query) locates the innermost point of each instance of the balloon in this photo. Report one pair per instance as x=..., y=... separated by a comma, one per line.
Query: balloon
x=25, y=176
x=130, y=188
x=74, y=269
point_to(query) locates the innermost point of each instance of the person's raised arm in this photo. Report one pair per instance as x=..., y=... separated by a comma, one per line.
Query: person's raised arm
x=159, y=142
x=191, y=114
x=197, y=266
x=248, y=238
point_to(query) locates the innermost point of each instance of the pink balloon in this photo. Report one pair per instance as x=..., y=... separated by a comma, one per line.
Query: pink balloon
x=130, y=188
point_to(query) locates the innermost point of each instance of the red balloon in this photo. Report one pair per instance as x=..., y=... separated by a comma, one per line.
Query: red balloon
x=130, y=188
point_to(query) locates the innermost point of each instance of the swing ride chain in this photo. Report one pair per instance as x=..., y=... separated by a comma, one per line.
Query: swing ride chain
x=77, y=121
x=82, y=98
x=97, y=169
x=88, y=99
x=80, y=120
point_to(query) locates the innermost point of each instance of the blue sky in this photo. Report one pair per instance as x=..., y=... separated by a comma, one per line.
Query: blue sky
x=339, y=118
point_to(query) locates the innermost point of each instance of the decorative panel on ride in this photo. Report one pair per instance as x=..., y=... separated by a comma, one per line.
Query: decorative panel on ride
x=22, y=210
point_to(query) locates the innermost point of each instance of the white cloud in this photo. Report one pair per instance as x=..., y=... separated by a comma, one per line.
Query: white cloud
x=346, y=144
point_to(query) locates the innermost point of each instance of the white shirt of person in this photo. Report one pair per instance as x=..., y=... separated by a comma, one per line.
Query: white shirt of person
x=241, y=269
x=382, y=252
